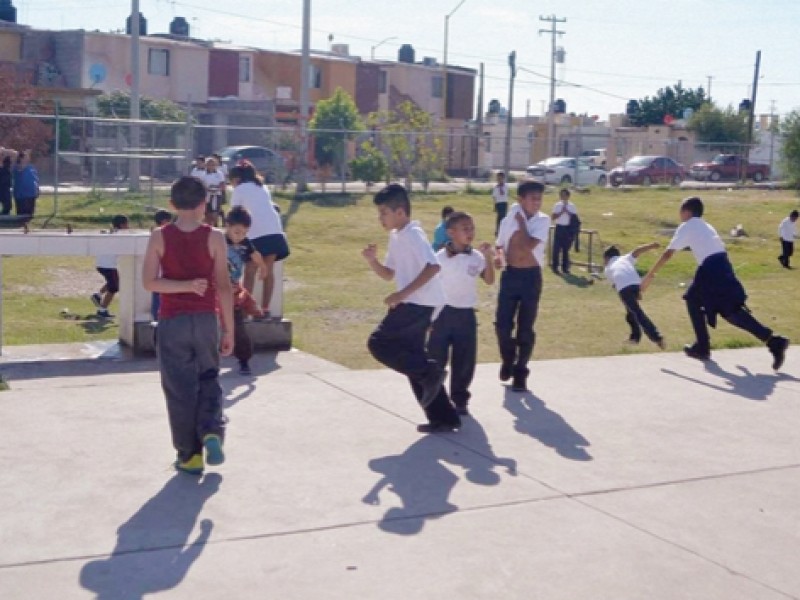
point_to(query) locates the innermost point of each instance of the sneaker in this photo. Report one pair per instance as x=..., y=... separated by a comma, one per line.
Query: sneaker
x=97, y=300
x=505, y=372
x=439, y=427
x=213, y=445
x=693, y=351
x=777, y=345
x=462, y=411
x=431, y=385
x=244, y=368
x=519, y=384
x=633, y=341
x=193, y=466
x=104, y=314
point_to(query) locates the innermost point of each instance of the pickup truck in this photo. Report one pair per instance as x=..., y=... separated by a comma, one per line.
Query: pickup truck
x=728, y=166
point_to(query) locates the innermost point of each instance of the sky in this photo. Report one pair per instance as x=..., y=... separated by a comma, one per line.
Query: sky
x=615, y=50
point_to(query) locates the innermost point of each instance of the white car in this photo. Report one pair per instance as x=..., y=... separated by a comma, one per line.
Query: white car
x=596, y=157
x=567, y=171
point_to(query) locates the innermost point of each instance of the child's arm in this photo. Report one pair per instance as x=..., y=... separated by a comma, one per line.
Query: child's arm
x=224, y=289
x=427, y=273
x=152, y=265
x=370, y=253
x=488, y=272
x=527, y=239
x=258, y=259
x=655, y=268
x=642, y=249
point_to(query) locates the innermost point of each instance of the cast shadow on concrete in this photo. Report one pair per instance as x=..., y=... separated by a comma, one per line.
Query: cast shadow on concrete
x=244, y=385
x=423, y=483
x=151, y=554
x=759, y=386
x=45, y=369
x=533, y=418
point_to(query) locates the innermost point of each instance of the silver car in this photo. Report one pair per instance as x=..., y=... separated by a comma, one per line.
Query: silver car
x=567, y=171
x=267, y=162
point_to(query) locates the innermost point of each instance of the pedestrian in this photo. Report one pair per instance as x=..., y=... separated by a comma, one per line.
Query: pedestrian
x=500, y=197
x=455, y=330
x=5, y=183
x=106, y=265
x=520, y=246
x=715, y=289
x=787, y=232
x=621, y=272
x=186, y=262
x=26, y=184
x=215, y=190
x=198, y=168
x=440, y=236
x=399, y=341
x=563, y=213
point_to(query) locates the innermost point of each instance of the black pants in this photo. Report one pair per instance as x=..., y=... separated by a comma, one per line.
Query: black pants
x=501, y=208
x=399, y=343
x=242, y=344
x=636, y=317
x=787, y=249
x=518, y=303
x=5, y=201
x=25, y=206
x=188, y=358
x=455, y=334
x=739, y=317
x=562, y=240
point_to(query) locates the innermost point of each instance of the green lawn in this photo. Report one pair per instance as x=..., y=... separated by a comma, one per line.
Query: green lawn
x=334, y=300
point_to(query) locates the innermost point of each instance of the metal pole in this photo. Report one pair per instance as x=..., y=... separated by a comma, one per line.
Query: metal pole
x=551, y=125
x=305, y=73
x=134, y=166
x=444, y=66
x=752, y=115
x=512, y=63
x=478, y=152
x=55, y=165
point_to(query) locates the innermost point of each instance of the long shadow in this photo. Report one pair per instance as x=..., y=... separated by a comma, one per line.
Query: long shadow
x=231, y=380
x=151, y=554
x=423, y=483
x=757, y=387
x=43, y=369
x=533, y=418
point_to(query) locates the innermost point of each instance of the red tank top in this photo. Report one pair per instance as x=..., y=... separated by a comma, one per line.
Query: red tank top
x=186, y=257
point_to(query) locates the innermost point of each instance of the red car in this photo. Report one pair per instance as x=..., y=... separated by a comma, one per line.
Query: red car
x=646, y=170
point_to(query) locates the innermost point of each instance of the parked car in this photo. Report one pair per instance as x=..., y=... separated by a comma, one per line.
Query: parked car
x=646, y=170
x=566, y=171
x=596, y=157
x=728, y=166
x=267, y=162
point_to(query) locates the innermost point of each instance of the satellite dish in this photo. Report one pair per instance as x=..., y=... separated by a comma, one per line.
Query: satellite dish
x=97, y=73
x=687, y=113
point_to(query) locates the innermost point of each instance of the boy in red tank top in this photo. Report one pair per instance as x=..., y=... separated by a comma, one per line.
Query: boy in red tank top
x=186, y=263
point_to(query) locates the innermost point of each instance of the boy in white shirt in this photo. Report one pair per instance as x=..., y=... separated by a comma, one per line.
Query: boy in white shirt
x=399, y=341
x=107, y=267
x=455, y=330
x=621, y=272
x=788, y=231
x=715, y=289
x=563, y=211
x=214, y=181
x=500, y=197
x=198, y=169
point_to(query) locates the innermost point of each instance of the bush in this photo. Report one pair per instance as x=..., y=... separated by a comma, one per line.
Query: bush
x=370, y=165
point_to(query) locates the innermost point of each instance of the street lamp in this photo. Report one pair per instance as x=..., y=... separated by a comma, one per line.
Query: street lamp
x=379, y=44
x=444, y=65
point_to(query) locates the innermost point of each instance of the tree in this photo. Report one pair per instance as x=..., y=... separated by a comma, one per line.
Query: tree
x=670, y=101
x=370, y=165
x=718, y=127
x=790, y=128
x=22, y=133
x=117, y=105
x=335, y=121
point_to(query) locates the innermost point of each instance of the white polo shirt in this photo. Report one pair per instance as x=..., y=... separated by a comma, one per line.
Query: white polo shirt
x=258, y=202
x=538, y=227
x=199, y=173
x=499, y=194
x=621, y=272
x=788, y=230
x=459, y=276
x=409, y=252
x=214, y=179
x=700, y=237
x=564, y=219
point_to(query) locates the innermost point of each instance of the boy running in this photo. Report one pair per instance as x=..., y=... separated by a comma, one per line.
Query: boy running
x=106, y=265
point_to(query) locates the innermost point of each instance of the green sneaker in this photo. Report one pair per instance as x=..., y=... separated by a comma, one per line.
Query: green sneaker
x=213, y=445
x=193, y=466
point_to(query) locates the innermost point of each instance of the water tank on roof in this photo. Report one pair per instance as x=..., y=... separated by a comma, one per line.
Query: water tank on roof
x=429, y=61
x=179, y=26
x=142, y=25
x=406, y=54
x=7, y=12
x=559, y=107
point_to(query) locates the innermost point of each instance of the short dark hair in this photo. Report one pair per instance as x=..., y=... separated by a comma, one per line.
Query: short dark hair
x=794, y=214
x=456, y=217
x=245, y=172
x=500, y=173
x=239, y=215
x=528, y=187
x=564, y=192
x=611, y=252
x=187, y=193
x=199, y=157
x=162, y=217
x=693, y=205
x=119, y=221
x=393, y=196
x=447, y=211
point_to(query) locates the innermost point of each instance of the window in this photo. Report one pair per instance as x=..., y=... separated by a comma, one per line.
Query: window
x=436, y=86
x=382, y=82
x=158, y=61
x=244, y=69
x=315, y=78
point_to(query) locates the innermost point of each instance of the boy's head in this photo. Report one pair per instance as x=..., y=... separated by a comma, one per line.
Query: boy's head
x=529, y=196
x=211, y=164
x=394, y=206
x=447, y=211
x=610, y=253
x=119, y=222
x=691, y=207
x=237, y=223
x=200, y=161
x=564, y=194
x=188, y=193
x=793, y=215
x=460, y=228
x=162, y=217
x=501, y=177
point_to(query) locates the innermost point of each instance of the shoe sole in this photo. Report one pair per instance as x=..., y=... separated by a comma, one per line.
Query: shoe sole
x=178, y=467
x=779, y=360
x=214, y=453
x=427, y=428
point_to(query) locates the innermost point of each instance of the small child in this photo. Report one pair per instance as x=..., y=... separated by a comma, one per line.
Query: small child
x=198, y=168
x=241, y=251
x=399, y=341
x=215, y=186
x=788, y=231
x=161, y=217
x=440, y=236
x=500, y=198
x=455, y=330
x=107, y=267
x=621, y=272
x=187, y=263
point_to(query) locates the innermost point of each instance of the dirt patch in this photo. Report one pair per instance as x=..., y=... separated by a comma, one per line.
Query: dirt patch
x=64, y=282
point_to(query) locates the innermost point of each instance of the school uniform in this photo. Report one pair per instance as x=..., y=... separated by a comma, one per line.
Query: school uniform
x=621, y=272
x=500, y=197
x=787, y=231
x=213, y=181
x=399, y=340
x=106, y=265
x=238, y=255
x=562, y=236
x=455, y=330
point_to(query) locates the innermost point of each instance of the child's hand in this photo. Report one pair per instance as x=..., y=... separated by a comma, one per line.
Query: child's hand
x=487, y=250
x=198, y=286
x=370, y=252
x=392, y=300
x=521, y=220
x=226, y=343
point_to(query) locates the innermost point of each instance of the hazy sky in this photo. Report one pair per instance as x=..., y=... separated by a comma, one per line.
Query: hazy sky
x=614, y=50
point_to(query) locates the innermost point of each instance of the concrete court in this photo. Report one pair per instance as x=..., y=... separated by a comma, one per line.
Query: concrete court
x=630, y=477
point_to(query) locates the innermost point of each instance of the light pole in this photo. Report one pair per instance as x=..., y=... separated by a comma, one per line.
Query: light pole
x=134, y=169
x=305, y=73
x=444, y=61
x=379, y=44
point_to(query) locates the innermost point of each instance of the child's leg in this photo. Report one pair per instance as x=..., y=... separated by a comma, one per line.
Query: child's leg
x=269, y=281
x=528, y=309
x=697, y=316
x=242, y=344
x=440, y=338
x=209, y=417
x=465, y=351
x=744, y=319
x=629, y=297
x=399, y=341
x=507, y=304
x=111, y=287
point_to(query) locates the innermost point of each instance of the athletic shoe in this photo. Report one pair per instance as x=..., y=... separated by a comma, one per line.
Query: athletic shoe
x=505, y=372
x=692, y=351
x=104, y=314
x=519, y=384
x=462, y=411
x=431, y=385
x=97, y=300
x=777, y=345
x=439, y=427
x=213, y=445
x=244, y=368
x=661, y=343
x=193, y=466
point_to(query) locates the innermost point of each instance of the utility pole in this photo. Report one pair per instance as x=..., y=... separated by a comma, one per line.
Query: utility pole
x=771, y=133
x=512, y=63
x=134, y=166
x=305, y=74
x=479, y=128
x=752, y=115
x=444, y=65
x=709, y=77
x=552, y=19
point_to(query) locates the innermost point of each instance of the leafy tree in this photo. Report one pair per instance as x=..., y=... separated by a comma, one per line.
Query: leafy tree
x=370, y=165
x=117, y=105
x=790, y=128
x=667, y=101
x=335, y=119
x=22, y=133
x=719, y=127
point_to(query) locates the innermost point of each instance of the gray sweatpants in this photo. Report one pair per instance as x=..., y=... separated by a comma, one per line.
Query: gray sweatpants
x=188, y=354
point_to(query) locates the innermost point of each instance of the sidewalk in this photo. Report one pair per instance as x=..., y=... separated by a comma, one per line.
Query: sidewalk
x=631, y=477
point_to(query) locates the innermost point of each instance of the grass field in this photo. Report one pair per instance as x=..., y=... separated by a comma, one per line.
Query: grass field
x=334, y=300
